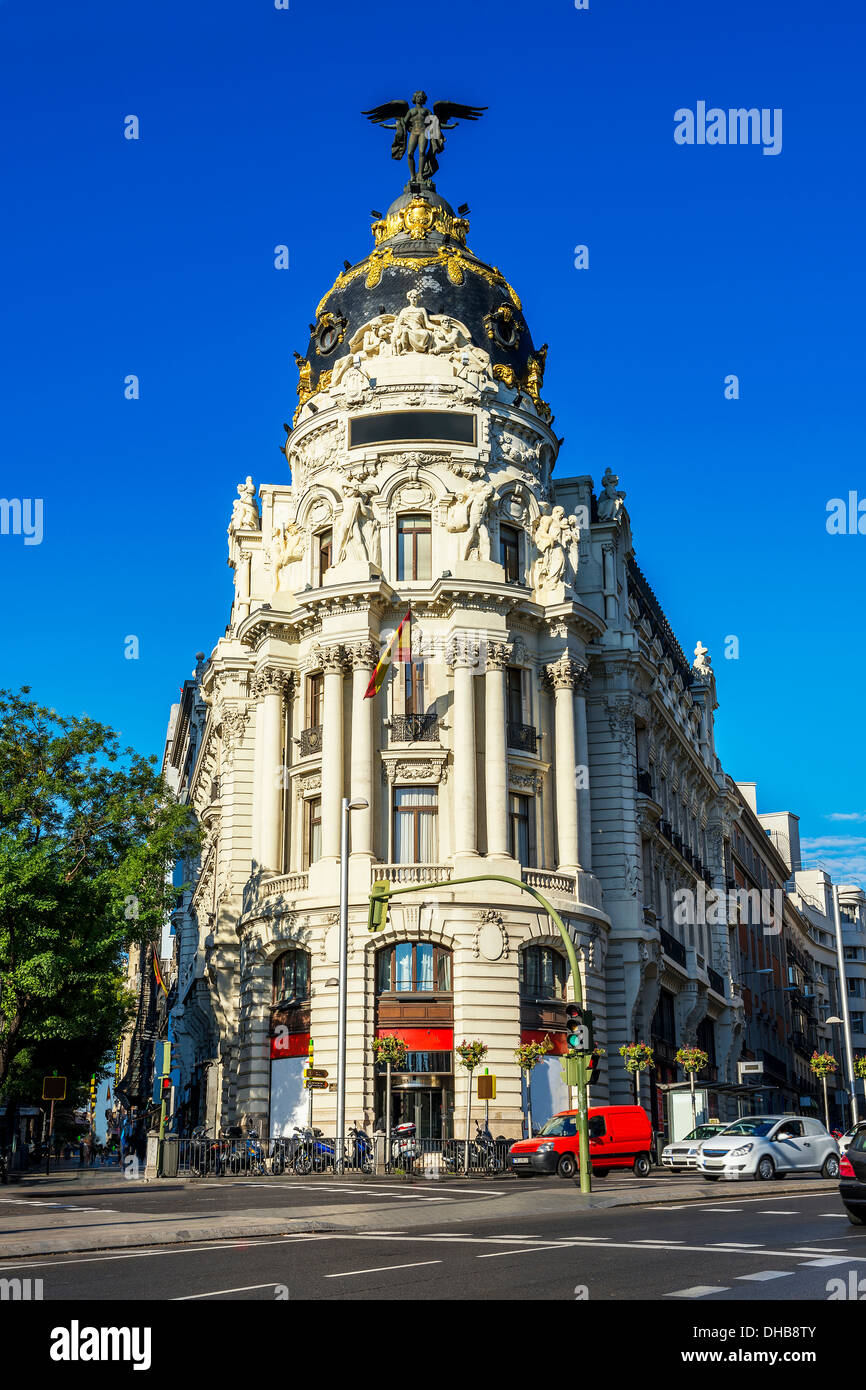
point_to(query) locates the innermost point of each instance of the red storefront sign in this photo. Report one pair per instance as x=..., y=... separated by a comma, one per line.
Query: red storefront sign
x=421, y=1039
x=532, y=1035
x=290, y=1045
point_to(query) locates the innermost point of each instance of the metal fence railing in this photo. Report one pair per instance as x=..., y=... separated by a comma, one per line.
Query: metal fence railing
x=307, y=1152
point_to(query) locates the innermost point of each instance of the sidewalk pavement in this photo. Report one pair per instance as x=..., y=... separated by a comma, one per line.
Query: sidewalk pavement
x=69, y=1229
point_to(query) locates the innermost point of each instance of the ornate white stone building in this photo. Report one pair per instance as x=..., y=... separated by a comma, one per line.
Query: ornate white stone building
x=548, y=727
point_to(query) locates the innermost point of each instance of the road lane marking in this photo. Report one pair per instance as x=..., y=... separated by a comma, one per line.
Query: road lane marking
x=215, y=1293
x=699, y=1291
x=764, y=1275
x=737, y=1244
x=380, y=1269
x=826, y=1261
x=725, y=1209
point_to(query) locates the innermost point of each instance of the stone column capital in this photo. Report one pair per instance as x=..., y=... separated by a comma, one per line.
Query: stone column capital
x=499, y=655
x=332, y=660
x=567, y=674
x=463, y=649
x=363, y=656
x=270, y=680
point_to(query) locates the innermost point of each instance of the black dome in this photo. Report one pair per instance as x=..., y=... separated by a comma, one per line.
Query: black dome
x=420, y=244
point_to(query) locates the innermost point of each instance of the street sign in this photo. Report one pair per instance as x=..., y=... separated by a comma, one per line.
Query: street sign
x=487, y=1087
x=54, y=1088
x=750, y=1069
x=315, y=1071
x=316, y=1085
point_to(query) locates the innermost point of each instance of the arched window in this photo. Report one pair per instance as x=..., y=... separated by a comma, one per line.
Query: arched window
x=414, y=967
x=543, y=973
x=291, y=978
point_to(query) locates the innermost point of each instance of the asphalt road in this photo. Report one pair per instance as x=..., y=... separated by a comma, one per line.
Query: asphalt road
x=766, y=1246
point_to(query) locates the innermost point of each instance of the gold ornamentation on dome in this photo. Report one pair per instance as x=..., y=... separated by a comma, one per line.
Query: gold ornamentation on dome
x=324, y=382
x=417, y=219
x=305, y=389
x=456, y=266
x=504, y=373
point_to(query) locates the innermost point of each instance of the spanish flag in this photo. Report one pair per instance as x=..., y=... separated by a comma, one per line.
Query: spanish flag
x=158, y=973
x=402, y=641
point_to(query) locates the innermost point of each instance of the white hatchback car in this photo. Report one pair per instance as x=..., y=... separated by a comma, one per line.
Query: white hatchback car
x=769, y=1146
x=682, y=1154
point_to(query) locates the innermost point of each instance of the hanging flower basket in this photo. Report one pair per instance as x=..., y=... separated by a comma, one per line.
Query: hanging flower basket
x=471, y=1053
x=692, y=1058
x=389, y=1049
x=528, y=1055
x=823, y=1063
x=860, y=1066
x=637, y=1056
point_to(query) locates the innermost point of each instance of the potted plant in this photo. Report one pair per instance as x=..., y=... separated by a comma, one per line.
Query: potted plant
x=471, y=1055
x=824, y=1064
x=637, y=1057
x=390, y=1051
x=693, y=1059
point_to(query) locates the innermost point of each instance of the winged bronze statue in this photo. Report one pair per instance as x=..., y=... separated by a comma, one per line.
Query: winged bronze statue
x=417, y=128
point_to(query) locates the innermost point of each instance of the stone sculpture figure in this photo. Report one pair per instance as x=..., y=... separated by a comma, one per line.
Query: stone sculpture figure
x=287, y=548
x=418, y=130
x=703, y=662
x=557, y=539
x=610, y=503
x=479, y=496
x=413, y=331
x=245, y=511
x=358, y=537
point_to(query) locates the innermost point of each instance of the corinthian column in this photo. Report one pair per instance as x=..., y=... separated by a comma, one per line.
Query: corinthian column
x=269, y=685
x=363, y=657
x=563, y=675
x=463, y=660
x=584, y=817
x=496, y=748
x=333, y=666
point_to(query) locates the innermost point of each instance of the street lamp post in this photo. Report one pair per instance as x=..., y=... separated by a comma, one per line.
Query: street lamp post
x=843, y=999
x=343, y=992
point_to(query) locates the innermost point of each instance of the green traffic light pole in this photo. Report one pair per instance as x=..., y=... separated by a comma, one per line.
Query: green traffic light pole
x=383, y=897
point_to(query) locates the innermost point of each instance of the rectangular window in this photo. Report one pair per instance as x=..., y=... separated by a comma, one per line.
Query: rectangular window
x=414, y=547
x=312, y=830
x=324, y=554
x=521, y=830
x=415, y=825
x=315, y=698
x=514, y=694
x=509, y=554
x=415, y=687
x=403, y=967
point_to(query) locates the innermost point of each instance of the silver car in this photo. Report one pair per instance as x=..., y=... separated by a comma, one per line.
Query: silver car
x=769, y=1146
x=682, y=1154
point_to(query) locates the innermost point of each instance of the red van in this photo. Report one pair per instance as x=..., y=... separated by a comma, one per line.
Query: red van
x=620, y=1136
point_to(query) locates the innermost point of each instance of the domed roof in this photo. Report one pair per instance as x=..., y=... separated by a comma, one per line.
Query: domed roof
x=421, y=245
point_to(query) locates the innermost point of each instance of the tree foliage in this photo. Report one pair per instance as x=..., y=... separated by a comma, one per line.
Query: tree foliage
x=89, y=834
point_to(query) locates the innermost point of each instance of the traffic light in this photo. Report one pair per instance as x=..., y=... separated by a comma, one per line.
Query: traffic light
x=166, y=1087
x=380, y=893
x=574, y=1026
x=594, y=1069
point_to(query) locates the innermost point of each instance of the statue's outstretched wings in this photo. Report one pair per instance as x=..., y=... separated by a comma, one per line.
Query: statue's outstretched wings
x=456, y=111
x=388, y=111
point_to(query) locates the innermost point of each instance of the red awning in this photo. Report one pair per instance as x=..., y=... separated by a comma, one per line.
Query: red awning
x=421, y=1039
x=290, y=1045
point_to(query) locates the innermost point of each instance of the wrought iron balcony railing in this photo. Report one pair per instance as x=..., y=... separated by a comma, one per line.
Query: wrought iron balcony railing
x=671, y=947
x=716, y=981
x=523, y=737
x=644, y=783
x=414, y=728
x=311, y=741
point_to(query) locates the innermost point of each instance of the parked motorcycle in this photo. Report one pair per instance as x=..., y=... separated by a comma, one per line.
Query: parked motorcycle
x=284, y=1151
x=360, y=1149
x=246, y=1154
x=205, y=1154
x=483, y=1152
x=314, y=1153
x=405, y=1148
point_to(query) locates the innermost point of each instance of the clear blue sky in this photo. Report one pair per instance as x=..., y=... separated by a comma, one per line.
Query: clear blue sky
x=155, y=257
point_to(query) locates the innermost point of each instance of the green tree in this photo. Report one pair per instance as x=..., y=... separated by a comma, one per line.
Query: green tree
x=89, y=834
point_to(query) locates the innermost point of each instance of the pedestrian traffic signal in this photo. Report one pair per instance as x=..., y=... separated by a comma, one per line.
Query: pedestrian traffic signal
x=594, y=1069
x=574, y=1025
x=380, y=893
